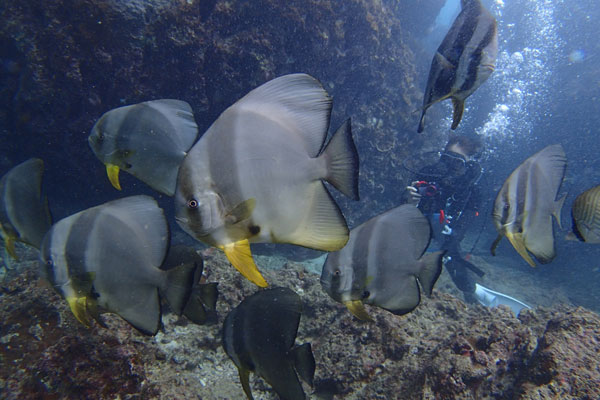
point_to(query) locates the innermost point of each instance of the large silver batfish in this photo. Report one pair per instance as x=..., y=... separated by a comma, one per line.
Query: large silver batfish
x=464, y=60
x=586, y=216
x=148, y=140
x=24, y=213
x=382, y=263
x=525, y=205
x=256, y=175
x=107, y=258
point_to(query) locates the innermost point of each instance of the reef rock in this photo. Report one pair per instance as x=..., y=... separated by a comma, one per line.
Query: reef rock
x=445, y=349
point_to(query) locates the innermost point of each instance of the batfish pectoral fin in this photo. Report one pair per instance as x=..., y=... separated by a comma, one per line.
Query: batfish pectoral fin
x=79, y=308
x=112, y=171
x=443, y=61
x=357, y=308
x=459, y=108
x=245, y=381
x=496, y=243
x=241, y=212
x=518, y=242
x=557, y=207
x=240, y=256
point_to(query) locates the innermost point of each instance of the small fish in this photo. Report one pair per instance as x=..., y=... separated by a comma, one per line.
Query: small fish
x=526, y=202
x=586, y=216
x=259, y=336
x=382, y=263
x=257, y=174
x=464, y=60
x=201, y=308
x=24, y=213
x=149, y=140
x=108, y=258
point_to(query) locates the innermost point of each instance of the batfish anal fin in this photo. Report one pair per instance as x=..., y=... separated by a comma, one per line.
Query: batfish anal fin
x=112, y=171
x=518, y=242
x=240, y=256
x=459, y=108
x=241, y=212
x=357, y=308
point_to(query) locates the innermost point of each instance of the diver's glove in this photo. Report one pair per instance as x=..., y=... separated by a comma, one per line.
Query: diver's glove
x=414, y=197
x=447, y=230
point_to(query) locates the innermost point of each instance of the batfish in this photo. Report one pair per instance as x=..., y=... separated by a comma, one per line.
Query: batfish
x=526, y=202
x=24, y=213
x=256, y=175
x=464, y=60
x=149, y=140
x=586, y=216
x=107, y=258
x=383, y=264
x=259, y=336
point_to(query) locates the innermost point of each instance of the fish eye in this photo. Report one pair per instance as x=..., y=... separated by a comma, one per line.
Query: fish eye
x=506, y=206
x=100, y=137
x=337, y=272
x=49, y=263
x=366, y=294
x=192, y=203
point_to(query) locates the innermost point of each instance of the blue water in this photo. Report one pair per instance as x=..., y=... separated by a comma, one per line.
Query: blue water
x=545, y=90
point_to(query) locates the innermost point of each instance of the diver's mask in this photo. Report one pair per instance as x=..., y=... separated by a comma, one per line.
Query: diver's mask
x=458, y=165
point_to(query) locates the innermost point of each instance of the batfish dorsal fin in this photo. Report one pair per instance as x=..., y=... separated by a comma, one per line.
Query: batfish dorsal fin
x=180, y=115
x=298, y=102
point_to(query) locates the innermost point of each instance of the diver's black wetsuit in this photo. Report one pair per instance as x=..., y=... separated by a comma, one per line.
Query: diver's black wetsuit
x=450, y=199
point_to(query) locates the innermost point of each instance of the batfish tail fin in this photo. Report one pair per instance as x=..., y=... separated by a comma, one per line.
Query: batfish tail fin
x=557, y=207
x=178, y=286
x=304, y=361
x=430, y=271
x=459, y=108
x=240, y=256
x=201, y=308
x=342, y=161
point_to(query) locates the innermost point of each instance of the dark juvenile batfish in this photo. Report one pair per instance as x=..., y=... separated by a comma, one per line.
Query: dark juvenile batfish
x=464, y=60
x=526, y=202
x=382, y=263
x=259, y=336
x=24, y=214
x=108, y=258
x=257, y=174
x=149, y=140
x=586, y=216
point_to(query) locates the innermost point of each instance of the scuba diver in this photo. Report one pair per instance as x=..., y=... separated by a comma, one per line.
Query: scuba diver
x=447, y=192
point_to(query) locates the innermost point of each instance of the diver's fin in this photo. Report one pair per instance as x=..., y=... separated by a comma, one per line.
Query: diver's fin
x=342, y=161
x=459, y=108
x=241, y=212
x=518, y=242
x=430, y=271
x=490, y=298
x=304, y=361
x=495, y=244
x=557, y=207
x=113, y=175
x=357, y=308
x=240, y=256
x=245, y=381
